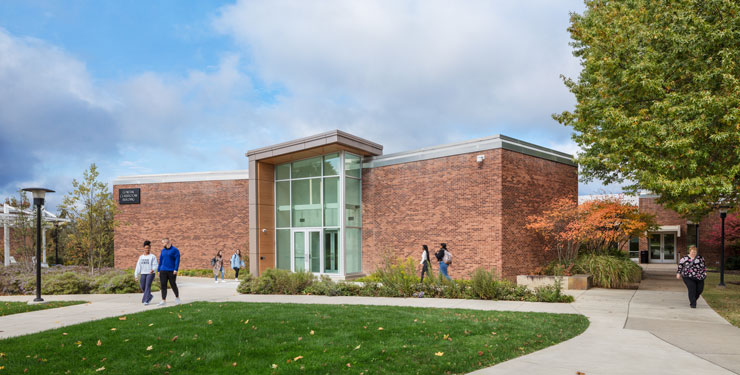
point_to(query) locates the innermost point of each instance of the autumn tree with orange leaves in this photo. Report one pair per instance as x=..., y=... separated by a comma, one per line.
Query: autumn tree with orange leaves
x=597, y=226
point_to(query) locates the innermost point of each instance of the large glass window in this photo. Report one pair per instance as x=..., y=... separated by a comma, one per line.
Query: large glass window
x=306, y=168
x=634, y=251
x=332, y=164
x=353, y=250
x=306, y=202
x=331, y=201
x=311, y=198
x=283, y=249
x=353, y=202
x=353, y=165
x=282, y=204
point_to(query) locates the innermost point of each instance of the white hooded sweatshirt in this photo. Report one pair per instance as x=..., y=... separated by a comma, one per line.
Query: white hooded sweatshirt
x=145, y=265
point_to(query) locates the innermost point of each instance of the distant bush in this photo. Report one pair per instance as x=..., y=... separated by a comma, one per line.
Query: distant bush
x=609, y=271
x=398, y=282
x=71, y=280
x=733, y=263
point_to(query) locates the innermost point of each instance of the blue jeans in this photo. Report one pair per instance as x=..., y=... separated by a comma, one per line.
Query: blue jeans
x=145, y=282
x=443, y=268
x=215, y=275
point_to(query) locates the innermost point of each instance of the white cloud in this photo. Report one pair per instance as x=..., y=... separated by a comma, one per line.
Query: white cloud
x=405, y=72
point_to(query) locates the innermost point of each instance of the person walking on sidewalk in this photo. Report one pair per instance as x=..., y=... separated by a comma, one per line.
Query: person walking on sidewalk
x=217, y=263
x=445, y=259
x=145, y=267
x=693, y=271
x=426, y=263
x=237, y=263
x=169, y=263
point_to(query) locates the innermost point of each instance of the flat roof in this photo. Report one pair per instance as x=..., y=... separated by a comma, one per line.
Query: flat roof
x=466, y=147
x=182, y=177
x=320, y=143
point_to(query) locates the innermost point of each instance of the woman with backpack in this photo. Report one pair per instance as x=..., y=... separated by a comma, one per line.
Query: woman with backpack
x=237, y=263
x=444, y=257
x=218, y=266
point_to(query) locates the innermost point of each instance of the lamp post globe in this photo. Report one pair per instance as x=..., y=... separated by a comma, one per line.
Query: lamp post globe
x=38, y=201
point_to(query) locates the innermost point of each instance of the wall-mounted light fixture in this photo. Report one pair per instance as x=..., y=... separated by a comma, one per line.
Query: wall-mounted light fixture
x=480, y=158
x=264, y=230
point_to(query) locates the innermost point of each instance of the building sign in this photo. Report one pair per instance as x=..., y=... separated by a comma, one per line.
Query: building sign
x=129, y=196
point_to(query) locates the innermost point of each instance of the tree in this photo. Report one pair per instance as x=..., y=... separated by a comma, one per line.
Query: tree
x=23, y=230
x=91, y=209
x=608, y=224
x=560, y=226
x=732, y=234
x=658, y=99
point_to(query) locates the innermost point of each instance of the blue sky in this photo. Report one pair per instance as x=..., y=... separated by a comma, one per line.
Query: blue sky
x=141, y=87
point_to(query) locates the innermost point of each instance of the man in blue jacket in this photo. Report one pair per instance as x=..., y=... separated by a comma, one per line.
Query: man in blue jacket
x=169, y=263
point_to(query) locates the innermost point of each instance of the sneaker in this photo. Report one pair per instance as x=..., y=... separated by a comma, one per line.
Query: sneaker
x=177, y=301
x=162, y=303
x=146, y=303
x=216, y=281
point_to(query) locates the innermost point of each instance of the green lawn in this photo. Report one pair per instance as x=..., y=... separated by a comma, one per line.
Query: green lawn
x=725, y=301
x=218, y=338
x=7, y=308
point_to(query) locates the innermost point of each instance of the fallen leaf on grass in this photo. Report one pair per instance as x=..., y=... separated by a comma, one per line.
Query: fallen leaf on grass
x=274, y=365
x=311, y=332
x=348, y=365
x=64, y=334
x=246, y=321
x=234, y=364
x=150, y=347
x=151, y=324
x=99, y=343
x=439, y=354
x=122, y=318
x=358, y=346
x=174, y=339
x=380, y=328
x=179, y=316
x=78, y=343
x=297, y=358
x=210, y=321
x=112, y=329
x=100, y=369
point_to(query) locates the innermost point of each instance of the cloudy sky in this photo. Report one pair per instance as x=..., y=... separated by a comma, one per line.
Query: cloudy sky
x=142, y=87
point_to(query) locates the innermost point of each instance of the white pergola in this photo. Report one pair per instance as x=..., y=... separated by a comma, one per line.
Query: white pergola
x=10, y=216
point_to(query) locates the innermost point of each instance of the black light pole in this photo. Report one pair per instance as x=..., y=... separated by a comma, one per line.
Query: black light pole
x=38, y=201
x=723, y=215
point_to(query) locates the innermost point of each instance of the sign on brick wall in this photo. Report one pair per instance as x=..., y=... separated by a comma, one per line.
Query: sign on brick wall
x=129, y=196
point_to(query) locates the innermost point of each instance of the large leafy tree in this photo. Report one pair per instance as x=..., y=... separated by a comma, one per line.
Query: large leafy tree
x=658, y=98
x=91, y=208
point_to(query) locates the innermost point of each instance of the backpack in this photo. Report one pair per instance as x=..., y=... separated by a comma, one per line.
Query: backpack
x=447, y=258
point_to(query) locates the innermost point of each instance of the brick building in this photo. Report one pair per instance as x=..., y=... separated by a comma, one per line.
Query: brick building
x=334, y=205
x=674, y=234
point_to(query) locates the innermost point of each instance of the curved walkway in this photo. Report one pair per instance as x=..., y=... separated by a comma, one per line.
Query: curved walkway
x=631, y=331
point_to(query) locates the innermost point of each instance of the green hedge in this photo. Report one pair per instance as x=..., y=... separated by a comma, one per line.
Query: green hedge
x=609, y=271
x=395, y=282
x=71, y=280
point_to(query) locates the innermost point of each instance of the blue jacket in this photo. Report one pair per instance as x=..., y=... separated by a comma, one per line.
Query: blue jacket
x=169, y=259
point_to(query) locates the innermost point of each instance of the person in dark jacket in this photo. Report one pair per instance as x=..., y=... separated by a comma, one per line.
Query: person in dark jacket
x=693, y=271
x=169, y=263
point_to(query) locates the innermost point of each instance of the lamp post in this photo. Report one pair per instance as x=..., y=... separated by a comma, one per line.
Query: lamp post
x=38, y=201
x=723, y=215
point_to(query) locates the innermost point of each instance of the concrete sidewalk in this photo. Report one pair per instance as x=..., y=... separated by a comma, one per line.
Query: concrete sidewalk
x=631, y=331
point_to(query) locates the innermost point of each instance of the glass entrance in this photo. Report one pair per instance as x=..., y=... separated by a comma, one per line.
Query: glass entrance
x=306, y=250
x=662, y=247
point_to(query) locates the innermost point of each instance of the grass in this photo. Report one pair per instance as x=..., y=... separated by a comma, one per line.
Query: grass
x=8, y=308
x=216, y=338
x=725, y=301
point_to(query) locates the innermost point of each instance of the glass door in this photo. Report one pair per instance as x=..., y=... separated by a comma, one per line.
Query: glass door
x=306, y=250
x=662, y=247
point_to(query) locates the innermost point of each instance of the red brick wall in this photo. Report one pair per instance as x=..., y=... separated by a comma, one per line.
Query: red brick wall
x=201, y=217
x=529, y=185
x=665, y=216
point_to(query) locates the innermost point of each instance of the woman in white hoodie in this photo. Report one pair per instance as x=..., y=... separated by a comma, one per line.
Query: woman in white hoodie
x=145, y=267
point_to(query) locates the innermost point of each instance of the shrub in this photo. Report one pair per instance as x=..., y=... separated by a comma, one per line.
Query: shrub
x=609, y=271
x=733, y=263
x=71, y=280
x=398, y=275
x=275, y=281
x=65, y=283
